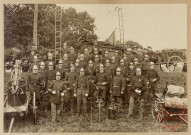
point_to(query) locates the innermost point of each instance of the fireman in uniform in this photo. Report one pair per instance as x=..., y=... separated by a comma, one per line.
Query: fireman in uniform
x=145, y=66
x=42, y=72
x=137, y=64
x=139, y=89
x=123, y=68
x=153, y=77
x=72, y=56
x=70, y=83
x=82, y=63
x=65, y=49
x=60, y=69
x=140, y=55
x=97, y=63
x=101, y=83
x=35, y=62
x=106, y=57
x=91, y=73
x=66, y=63
x=117, y=57
x=96, y=52
x=49, y=77
x=113, y=66
x=57, y=87
x=108, y=71
x=130, y=56
x=50, y=59
x=151, y=54
x=87, y=56
x=81, y=91
x=118, y=87
x=77, y=66
x=31, y=57
x=130, y=74
x=34, y=84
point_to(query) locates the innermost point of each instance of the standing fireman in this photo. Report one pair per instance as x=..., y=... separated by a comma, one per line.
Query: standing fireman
x=81, y=91
x=57, y=87
x=118, y=87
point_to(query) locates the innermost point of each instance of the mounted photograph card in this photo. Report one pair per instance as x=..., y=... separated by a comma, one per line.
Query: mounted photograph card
x=95, y=67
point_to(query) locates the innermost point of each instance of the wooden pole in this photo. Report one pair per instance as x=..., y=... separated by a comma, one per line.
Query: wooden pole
x=35, y=25
x=11, y=124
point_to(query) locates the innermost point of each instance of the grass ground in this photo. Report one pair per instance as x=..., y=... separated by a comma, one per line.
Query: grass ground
x=71, y=123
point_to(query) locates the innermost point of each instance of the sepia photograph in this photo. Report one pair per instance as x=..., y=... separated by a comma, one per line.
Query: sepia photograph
x=84, y=68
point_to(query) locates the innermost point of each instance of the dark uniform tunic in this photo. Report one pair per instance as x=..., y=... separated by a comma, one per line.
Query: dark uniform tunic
x=91, y=73
x=151, y=55
x=130, y=74
x=104, y=59
x=66, y=66
x=34, y=81
x=113, y=67
x=153, y=74
x=87, y=57
x=123, y=70
x=81, y=87
x=138, y=82
x=61, y=71
x=65, y=51
x=118, y=86
x=102, y=89
x=96, y=65
x=72, y=58
x=70, y=83
x=83, y=64
x=58, y=86
x=129, y=59
x=145, y=68
x=50, y=76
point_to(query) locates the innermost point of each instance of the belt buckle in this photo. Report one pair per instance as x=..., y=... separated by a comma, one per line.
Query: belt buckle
x=81, y=87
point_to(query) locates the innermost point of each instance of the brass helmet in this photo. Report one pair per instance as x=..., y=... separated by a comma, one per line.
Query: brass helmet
x=35, y=67
x=58, y=73
x=118, y=69
x=82, y=70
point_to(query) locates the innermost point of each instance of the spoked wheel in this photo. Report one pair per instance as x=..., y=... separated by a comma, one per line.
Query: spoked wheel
x=157, y=111
x=175, y=64
x=184, y=117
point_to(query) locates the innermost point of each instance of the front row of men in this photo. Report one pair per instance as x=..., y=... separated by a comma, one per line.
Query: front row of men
x=79, y=87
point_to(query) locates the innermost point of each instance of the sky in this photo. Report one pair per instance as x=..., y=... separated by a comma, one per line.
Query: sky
x=161, y=26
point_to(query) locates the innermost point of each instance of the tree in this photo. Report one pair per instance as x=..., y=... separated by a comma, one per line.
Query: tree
x=133, y=43
x=78, y=28
x=18, y=25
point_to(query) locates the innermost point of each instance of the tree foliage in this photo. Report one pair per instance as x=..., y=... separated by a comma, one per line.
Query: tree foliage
x=77, y=28
x=133, y=43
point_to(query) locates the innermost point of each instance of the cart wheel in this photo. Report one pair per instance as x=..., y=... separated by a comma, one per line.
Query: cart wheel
x=175, y=64
x=157, y=110
x=185, y=116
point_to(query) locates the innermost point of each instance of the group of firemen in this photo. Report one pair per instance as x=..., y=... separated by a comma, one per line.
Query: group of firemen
x=70, y=82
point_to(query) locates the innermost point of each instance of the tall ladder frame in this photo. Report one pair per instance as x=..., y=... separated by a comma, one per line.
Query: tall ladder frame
x=121, y=29
x=58, y=33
